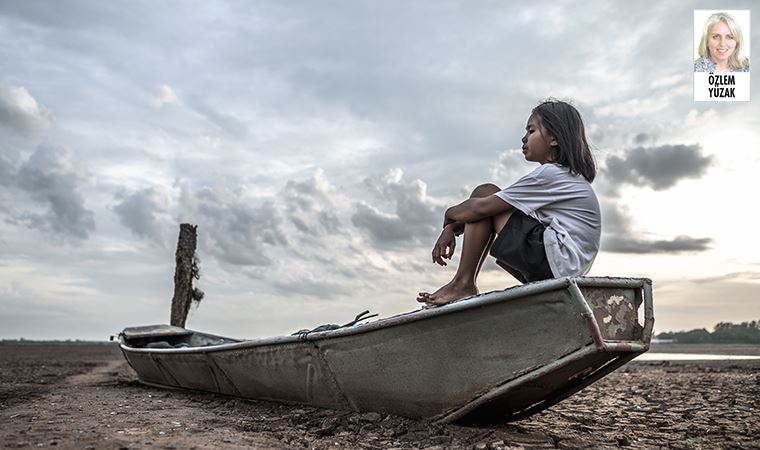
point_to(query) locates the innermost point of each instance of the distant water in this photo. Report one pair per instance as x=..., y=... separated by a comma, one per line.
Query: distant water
x=690, y=357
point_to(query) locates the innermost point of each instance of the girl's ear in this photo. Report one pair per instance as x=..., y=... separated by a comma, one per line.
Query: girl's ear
x=553, y=142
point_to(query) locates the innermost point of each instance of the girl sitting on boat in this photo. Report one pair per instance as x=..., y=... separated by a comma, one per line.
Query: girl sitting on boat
x=545, y=225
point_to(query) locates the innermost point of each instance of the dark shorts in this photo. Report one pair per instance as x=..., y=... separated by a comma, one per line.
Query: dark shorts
x=519, y=249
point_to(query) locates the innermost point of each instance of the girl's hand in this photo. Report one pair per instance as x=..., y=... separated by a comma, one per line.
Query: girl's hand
x=444, y=247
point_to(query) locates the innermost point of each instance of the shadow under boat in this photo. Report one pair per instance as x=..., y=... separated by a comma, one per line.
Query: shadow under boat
x=494, y=357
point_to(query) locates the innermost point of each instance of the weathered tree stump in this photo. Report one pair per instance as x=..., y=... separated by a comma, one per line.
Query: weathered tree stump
x=184, y=273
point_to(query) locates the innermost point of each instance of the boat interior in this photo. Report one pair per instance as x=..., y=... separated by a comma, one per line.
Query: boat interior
x=165, y=336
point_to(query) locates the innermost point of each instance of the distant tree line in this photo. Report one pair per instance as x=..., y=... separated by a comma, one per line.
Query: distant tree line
x=725, y=332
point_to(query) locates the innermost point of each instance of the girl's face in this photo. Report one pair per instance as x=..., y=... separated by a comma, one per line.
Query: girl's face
x=538, y=146
x=720, y=42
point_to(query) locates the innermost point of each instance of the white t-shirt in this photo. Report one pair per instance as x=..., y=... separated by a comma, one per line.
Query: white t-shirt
x=567, y=206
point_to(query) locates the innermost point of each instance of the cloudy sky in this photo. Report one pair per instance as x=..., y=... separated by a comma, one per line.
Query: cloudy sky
x=317, y=143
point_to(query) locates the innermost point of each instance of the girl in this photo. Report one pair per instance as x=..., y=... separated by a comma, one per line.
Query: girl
x=547, y=224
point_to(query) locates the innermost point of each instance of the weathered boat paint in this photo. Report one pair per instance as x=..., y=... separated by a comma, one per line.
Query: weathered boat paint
x=497, y=356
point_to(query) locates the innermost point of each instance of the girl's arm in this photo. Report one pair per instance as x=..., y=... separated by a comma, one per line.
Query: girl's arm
x=474, y=209
x=456, y=227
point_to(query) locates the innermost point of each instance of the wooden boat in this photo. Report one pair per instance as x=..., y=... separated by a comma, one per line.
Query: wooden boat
x=494, y=357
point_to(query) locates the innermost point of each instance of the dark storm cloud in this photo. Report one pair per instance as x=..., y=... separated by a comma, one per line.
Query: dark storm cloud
x=415, y=218
x=139, y=212
x=53, y=179
x=615, y=243
x=20, y=112
x=641, y=138
x=232, y=229
x=659, y=167
x=619, y=237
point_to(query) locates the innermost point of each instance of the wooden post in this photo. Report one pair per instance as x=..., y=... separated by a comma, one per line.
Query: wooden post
x=184, y=273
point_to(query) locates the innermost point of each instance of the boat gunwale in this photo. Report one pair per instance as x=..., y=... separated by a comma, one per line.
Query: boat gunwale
x=618, y=359
x=478, y=301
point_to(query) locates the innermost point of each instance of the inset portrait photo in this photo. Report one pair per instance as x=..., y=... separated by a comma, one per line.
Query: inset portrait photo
x=721, y=41
x=721, y=56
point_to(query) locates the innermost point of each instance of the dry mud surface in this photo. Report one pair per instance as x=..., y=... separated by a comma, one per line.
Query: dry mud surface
x=87, y=397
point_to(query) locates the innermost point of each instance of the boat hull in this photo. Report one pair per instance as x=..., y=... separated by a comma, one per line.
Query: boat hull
x=495, y=357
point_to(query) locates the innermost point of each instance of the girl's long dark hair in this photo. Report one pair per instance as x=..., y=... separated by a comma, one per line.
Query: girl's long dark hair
x=562, y=121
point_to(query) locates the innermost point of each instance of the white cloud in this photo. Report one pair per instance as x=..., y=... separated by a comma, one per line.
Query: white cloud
x=549, y=20
x=314, y=205
x=21, y=113
x=162, y=95
x=509, y=167
x=653, y=103
x=415, y=217
x=667, y=81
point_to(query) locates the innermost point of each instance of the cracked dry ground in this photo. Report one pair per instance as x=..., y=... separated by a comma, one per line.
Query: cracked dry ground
x=85, y=396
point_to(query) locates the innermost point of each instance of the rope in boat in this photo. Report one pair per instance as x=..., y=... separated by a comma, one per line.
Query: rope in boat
x=333, y=326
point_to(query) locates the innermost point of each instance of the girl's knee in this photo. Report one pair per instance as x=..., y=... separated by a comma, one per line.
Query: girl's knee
x=484, y=190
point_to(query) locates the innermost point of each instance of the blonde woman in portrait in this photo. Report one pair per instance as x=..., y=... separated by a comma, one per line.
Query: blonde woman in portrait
x=722, y=46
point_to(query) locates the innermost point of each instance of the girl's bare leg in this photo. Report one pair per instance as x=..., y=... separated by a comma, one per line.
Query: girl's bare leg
x=486, y=252
x=478, y=237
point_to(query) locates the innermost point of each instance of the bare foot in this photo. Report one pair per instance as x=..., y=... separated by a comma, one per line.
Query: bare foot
x=447, y=294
